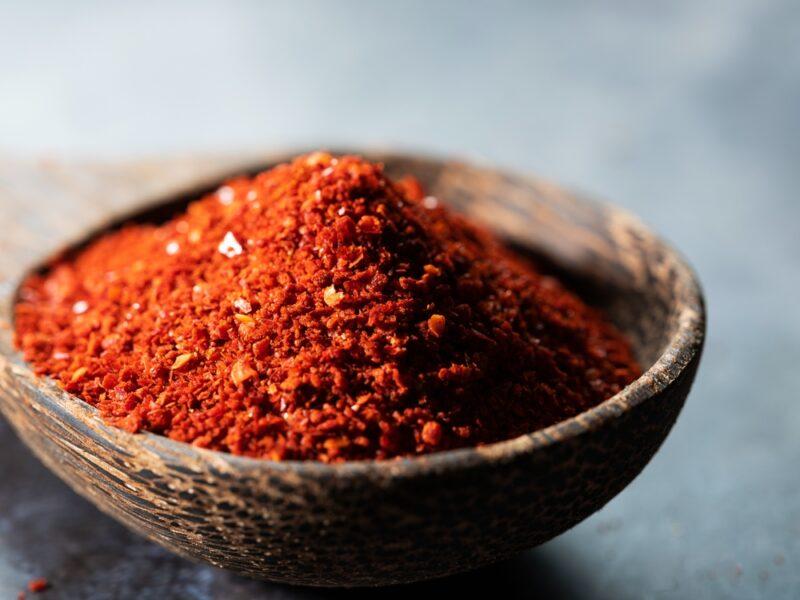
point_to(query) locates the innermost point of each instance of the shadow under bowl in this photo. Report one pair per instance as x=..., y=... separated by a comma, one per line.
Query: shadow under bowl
x=386, y=522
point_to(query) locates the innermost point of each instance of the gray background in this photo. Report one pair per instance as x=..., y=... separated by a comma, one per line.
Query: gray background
x=688, y=113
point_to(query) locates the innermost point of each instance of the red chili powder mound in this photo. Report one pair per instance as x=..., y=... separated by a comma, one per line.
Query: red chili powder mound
x=318, y=311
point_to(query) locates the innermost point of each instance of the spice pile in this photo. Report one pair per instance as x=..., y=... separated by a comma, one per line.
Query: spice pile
x=318, y=311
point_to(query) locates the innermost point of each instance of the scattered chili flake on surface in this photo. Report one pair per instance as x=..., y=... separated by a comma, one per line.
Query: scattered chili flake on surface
x=446, y=340
x=38, y=585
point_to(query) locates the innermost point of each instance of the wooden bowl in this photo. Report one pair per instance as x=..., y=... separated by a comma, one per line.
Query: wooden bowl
x=384, y=522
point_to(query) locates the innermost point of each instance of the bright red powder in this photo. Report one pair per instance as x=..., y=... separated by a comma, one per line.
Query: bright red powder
x=318, y=311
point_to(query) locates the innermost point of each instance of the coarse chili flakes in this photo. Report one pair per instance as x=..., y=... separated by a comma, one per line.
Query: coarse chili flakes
x=318, y=311
x=37, y=585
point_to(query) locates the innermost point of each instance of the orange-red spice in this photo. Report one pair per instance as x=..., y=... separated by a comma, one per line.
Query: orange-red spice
x=38, y=585
x=318, y=311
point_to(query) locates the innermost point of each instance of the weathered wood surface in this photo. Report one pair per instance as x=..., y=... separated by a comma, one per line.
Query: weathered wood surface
x=361, y=523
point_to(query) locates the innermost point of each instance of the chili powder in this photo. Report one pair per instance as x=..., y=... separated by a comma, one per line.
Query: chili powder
x=318, y=311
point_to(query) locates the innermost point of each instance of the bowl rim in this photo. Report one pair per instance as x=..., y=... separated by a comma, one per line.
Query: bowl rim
x=682, y=348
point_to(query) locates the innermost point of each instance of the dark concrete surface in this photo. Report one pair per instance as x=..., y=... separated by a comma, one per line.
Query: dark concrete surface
x=687, y=113
x=46, y=530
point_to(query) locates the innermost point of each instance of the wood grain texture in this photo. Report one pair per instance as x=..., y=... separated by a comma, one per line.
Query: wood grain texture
x=372, y=522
